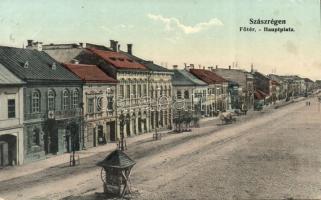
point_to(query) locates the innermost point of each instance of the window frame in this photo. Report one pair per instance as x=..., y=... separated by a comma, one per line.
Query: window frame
x=75, y=98
x=65, y=100
x=51, y=100
x=10, y=107
x=36, y=102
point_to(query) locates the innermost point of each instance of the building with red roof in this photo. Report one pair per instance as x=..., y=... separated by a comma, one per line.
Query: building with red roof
x=99, y=103
x=217, y=95
x=118, y=60
x=140, y=83
x=90, y=73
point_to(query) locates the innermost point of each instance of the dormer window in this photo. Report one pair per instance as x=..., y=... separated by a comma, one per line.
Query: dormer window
x=26, y=64
x=113, y=58
x=54, y=66
x=121, y=59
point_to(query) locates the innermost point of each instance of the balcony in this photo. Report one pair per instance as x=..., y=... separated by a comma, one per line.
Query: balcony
x=64, y=114
x=58, y=114
x=133, y=102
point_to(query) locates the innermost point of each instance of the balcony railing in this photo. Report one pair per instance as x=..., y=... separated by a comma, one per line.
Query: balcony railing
x=58, y=114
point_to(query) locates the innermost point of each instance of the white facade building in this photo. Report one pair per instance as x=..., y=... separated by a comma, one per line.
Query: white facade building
x=11, y=118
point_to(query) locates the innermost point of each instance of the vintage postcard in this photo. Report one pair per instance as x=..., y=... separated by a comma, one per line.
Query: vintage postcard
x=160, y=99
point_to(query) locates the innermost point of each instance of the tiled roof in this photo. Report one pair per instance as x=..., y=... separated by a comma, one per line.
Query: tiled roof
x=260, y=75
x=308, y=80
x=117, y=159
x=8, y=78
x=207, y=76
x=148, y=64
x=118, y=60
x=184, y=78
x=89, y=73
x=34, y=65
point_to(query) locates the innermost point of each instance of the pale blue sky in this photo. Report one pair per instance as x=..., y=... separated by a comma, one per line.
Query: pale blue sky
x=199, y=31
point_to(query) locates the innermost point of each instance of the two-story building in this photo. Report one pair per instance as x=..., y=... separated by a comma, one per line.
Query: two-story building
x=11, y=118
x=309, y=85
x=245, y=81
x=190, y=90
x=160, y=92
x=217, y=95
x=282, y=85
x=99, y=110
x=52, y=96
x=264, y=84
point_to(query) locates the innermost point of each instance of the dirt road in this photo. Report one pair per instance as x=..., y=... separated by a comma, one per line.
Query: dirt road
x=270, y=155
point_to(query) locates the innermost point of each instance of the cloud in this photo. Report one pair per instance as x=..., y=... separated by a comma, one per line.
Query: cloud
x=172, y=23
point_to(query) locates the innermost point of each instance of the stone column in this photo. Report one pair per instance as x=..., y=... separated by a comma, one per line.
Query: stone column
x=148, y=115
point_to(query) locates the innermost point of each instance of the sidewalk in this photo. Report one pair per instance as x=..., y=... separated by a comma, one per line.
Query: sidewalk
x=29, y=168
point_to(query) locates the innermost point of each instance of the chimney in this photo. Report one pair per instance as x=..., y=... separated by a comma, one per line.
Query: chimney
x=252, y=70
x=82, y=45
x=229, y=67
x=186, y=66
x=29, y=43
x=130, y=49
x=34, y=45
x=175, y=66
x=39, y=46
x=118, y=47
x=114, y=45
x=216, y=67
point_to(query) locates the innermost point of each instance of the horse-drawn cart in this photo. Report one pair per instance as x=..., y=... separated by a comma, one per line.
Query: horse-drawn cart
x=227, y=117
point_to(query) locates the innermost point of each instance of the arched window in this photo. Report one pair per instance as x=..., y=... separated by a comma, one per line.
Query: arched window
x=186, y=94
x=75, y=99
x=65, y=100
x=35, y=102
x=99, y=104
x=51, y=100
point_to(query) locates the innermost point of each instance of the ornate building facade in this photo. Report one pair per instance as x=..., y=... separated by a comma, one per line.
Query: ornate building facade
x=159, y=92
x=99, y=109
x=52, y=96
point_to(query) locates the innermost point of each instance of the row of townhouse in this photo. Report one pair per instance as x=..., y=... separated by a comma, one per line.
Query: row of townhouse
x=57, y=98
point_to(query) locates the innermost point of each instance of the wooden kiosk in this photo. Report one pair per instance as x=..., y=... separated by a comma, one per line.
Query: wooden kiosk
x=115, y=173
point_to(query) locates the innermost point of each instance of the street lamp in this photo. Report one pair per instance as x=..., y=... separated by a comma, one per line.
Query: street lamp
x=122, y=143
x=72, y=134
